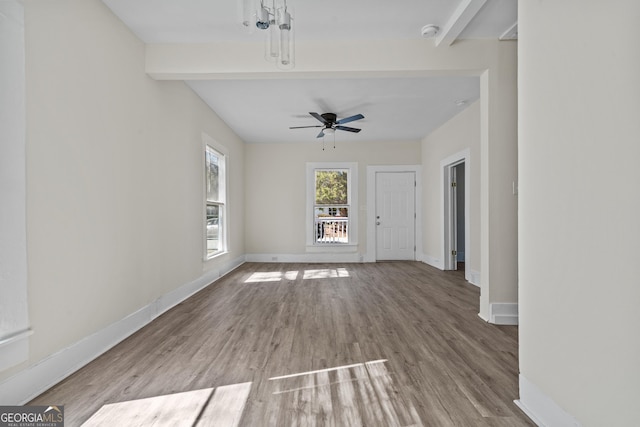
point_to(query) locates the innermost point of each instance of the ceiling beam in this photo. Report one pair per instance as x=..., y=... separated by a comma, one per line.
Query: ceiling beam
x=464, y=13
x=511, y=33
x=379, y=58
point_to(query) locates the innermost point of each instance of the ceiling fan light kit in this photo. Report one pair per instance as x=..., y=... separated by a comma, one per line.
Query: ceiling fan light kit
x=275, y=18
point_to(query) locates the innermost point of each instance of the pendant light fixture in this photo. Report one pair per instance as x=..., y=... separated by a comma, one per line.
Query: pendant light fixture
x=275, y=18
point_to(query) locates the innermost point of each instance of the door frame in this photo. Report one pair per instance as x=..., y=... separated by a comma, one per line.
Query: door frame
x=370, y=255
x=446, y=166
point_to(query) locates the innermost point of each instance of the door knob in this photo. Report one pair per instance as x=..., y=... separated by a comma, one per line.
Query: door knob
x=377, y=222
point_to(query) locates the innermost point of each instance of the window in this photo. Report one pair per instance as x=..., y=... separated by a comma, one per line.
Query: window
x=215, y=190
x=14, y=317
x=332, y=204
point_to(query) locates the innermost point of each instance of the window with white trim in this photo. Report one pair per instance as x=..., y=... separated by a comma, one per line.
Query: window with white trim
x=215, y=201
x=14, y=301
x=332, y=204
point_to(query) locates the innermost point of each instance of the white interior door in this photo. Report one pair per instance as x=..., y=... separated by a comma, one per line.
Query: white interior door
x=395, y=215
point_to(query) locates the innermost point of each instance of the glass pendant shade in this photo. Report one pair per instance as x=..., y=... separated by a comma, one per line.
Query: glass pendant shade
x=272, y=50
x=248, y=14
x=285, y=25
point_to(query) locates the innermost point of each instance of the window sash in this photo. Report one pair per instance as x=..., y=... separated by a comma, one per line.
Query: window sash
x=213, y=161
x=336, y=197
x=215, y=222
x=331, y=224
x=215, y=203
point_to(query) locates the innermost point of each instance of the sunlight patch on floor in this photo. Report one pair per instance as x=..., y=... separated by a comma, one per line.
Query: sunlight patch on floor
x=204, y=407
x=271, y=276
x=355, y=394
x=326, y=370
x=276, y=276
x=326, y=273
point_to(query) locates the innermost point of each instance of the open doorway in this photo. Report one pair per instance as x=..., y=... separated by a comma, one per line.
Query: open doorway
x=459, y=217
x=455, y=230
x=456, y=200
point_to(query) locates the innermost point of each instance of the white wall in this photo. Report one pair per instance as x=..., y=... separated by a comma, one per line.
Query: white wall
x=579, y=133
x=276, y=188
x=499, y=170
x=114, y=176
x=460, y=133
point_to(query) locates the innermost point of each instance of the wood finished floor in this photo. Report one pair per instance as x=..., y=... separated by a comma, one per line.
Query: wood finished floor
x=374, y=344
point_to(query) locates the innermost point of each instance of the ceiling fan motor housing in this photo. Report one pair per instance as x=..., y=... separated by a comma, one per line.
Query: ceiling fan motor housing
x=329, y=117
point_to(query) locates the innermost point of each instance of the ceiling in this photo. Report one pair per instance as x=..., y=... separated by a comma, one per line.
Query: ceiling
x=395, y=109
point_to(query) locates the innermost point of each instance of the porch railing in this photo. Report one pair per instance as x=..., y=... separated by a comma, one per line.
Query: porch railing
x=332, y=229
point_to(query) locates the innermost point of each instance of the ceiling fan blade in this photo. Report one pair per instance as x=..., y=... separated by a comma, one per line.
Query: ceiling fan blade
x=321, y=134
x=348, y=129
x=350, y=119
x=302, y=127
x=319, y=117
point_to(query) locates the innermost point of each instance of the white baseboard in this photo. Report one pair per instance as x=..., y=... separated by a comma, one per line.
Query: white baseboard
x=309, y=257
x=432, y=261
x=473, y=277
x=542, y=410
x=39, y=377
x=14, y=349
x=503, y=313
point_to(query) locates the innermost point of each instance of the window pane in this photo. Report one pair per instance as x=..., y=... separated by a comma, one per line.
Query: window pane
x=331, y=187
x=332, y=224
x=212, y=169
x=213, y=229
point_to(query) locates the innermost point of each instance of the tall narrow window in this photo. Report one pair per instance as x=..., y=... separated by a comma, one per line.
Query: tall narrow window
x=331, y=207
x=215, y=201
x=14, y=309
x=332, y=191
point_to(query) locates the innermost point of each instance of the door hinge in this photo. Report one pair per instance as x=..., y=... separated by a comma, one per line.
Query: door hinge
x=454, y=253
x=454, y=184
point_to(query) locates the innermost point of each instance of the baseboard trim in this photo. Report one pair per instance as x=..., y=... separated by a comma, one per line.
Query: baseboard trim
x=14, y=349
x=309, y=257
x=473, y=277
x=39, y=377
x=503, y=313
x=432, y=261
x=542, y=410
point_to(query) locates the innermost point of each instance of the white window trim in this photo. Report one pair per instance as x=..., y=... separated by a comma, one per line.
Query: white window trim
x=352, y=184
x=224, y=172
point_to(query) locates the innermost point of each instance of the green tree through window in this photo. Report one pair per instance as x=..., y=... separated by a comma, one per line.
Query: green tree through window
x=331, y=187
